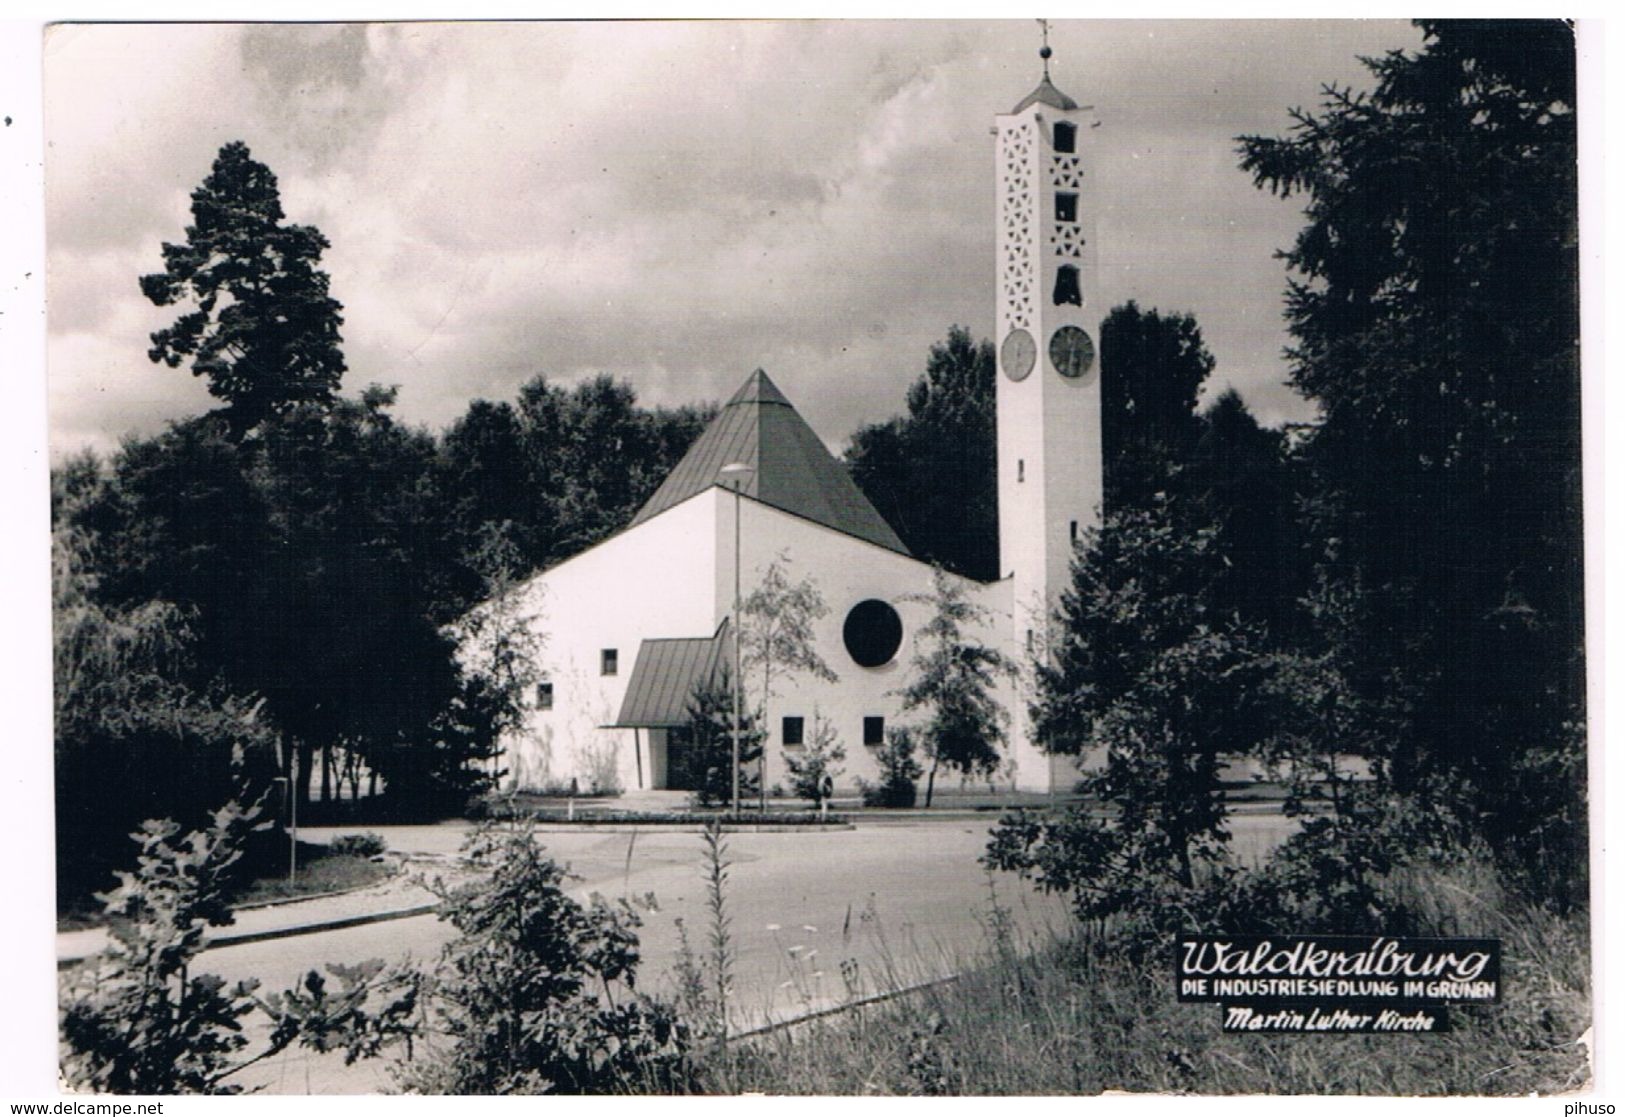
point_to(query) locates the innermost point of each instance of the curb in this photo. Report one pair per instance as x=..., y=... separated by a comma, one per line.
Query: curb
x=846, y=1006
x=326, y=925
x=682, y=828
x=247, y=937
x=261, y=905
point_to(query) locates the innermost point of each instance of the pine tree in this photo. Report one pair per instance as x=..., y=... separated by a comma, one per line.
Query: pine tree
x=262, y=327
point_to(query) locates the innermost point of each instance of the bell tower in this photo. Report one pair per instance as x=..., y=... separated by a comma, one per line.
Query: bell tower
x=1048, y=394
x=1048, y=324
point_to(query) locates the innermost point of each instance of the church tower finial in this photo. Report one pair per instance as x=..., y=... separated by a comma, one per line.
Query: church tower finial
x=1044, y=52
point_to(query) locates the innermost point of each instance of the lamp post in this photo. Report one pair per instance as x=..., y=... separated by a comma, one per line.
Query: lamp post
x=737, y=472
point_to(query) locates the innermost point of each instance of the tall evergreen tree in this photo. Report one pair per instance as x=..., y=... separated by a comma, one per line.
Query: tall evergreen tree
x=1434, y=309
x=261, y=328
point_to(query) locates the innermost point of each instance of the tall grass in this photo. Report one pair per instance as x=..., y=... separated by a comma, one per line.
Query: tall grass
x=1072, y=1017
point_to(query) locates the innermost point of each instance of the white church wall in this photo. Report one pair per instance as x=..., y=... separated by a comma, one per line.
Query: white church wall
x=847, y=571
x=673, y=577
x=652, y=581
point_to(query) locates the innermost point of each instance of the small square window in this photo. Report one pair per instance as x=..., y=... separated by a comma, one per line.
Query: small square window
x=874, y=731
x=544, y=696
x=1066, y=207
x=793, y=730
x=1066, y=138
x=609, y=662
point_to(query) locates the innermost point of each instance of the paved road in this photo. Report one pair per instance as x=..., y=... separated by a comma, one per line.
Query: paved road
x=902, y=902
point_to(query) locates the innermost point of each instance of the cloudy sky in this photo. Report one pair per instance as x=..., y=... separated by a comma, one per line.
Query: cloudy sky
x=673, y=203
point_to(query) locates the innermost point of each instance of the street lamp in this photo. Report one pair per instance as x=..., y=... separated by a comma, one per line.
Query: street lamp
x=737, y=472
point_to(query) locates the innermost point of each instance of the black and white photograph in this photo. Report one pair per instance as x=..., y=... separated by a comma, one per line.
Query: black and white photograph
x=814, y=557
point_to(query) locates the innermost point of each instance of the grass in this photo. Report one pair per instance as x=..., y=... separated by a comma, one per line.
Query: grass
x=1070, y=1017
x=263, y=879
x=320, y=873
x=613, y=816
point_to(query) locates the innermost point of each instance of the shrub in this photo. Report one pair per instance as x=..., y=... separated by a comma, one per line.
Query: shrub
x=899, y=772
x=706, y=763
x=814, y=768
x=137, y=1019
x=536, y=994
x=358, y=845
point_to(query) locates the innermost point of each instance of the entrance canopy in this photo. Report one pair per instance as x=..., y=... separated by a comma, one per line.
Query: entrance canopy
x=665, y=677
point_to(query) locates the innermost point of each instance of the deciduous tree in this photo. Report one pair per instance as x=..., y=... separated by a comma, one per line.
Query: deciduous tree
x=776, y=633
x=1152, y=367
x=1147, y=682
x=814, y=767
x=952, y=683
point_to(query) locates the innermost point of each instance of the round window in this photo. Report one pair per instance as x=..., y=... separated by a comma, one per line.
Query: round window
x=873, y=633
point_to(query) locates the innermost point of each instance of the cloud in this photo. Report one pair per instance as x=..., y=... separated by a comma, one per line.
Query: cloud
x=676, y=203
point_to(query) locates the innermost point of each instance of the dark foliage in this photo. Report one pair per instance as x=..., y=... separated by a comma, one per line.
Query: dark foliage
x=899, y=772
x=1151, y=369
x=1240, y=480
x=702, y=762
x=297, y=556
x=933, y=472
x=1149, y=683
x=128, y=716
x=1435, y=316
x=262, y=329
x=559, y=470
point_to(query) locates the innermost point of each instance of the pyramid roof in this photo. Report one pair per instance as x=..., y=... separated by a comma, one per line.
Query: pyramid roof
x=790, y=467
x=1047, y=94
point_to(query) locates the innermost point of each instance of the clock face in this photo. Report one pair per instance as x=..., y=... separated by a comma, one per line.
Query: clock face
x=1017, y=354
x=1071, y=352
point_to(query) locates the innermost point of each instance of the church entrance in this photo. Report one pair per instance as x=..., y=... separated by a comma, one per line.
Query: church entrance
x=683, y=771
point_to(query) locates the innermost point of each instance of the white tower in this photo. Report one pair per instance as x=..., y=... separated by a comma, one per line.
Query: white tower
x=1048, y=394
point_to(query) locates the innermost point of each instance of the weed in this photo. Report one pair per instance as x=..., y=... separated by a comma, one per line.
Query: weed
x=1080, y=1017
x=720, y=937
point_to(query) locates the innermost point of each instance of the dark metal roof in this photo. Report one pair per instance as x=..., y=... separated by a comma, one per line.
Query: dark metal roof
x=790, y=468
x=1047, y=94
x=665, y=676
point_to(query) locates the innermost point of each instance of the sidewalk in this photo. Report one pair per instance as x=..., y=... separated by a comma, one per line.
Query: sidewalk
x=396, y=898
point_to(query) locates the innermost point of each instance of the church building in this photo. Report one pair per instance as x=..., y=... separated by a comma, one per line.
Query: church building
x=633, y=625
